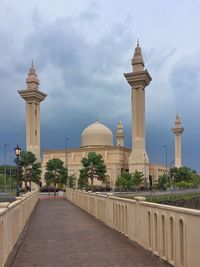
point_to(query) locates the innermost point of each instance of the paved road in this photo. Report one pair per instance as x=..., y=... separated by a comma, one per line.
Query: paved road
x=60, y=234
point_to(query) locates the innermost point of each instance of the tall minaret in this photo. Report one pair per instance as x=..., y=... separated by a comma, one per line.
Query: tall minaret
x=33, y=96
x=138, y=79
x=120, y=134
x=177, y=131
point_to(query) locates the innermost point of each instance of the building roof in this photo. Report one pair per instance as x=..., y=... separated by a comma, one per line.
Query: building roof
x=96, y=134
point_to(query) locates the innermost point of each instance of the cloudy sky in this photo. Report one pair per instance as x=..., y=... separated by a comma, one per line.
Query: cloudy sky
x=81, y=49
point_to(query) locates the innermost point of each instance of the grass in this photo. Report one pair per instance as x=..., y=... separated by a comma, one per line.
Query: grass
x=173, y=198
x=188, y=200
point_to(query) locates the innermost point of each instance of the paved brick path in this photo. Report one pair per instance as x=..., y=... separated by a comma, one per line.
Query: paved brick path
x=60, y=234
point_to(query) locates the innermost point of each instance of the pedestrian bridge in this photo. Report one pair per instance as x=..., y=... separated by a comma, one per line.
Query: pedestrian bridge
x=59, y=233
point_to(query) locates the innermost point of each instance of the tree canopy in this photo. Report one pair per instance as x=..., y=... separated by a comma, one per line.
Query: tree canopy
x=93, y=167
x=127, y=180
x=184, y=177
x=56, y=173
x=30, y=169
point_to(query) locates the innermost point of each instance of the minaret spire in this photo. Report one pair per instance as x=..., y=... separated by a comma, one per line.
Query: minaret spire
x=137, y=60
x=32, y=79
x=120, y=134
x=177, y=130
x=33, y=96
x=138, y=80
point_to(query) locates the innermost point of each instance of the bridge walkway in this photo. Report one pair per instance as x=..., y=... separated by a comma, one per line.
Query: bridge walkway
x=62, y=235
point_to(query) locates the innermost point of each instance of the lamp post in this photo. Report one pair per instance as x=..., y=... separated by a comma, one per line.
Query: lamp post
x=145, y=178
x=10, y=173
x=165, y=147
x=5, y=171
x=17, y=153
x=170, y=173
x=66, y=162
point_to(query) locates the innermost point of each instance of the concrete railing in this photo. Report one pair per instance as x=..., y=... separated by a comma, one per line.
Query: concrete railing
x=172, y=233
x=13, y=217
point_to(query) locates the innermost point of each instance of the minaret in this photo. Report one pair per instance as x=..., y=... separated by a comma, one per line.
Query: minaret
x=138, y=79
x=120, y=134
x=33, y=96
x=177, y=131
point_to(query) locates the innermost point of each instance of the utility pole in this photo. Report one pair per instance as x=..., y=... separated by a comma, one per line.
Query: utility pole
x=165, y=147
x=5, y=180
x=145, y=178
x=10, y=163
x=66, y=161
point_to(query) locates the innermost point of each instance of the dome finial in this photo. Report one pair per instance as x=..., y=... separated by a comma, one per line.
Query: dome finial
x=138, y=42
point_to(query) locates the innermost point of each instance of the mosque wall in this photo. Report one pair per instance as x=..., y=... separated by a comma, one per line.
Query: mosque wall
x=156, y=170
x=115, y=158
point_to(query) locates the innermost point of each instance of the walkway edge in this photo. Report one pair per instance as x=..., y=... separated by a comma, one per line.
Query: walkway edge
x=14, y=252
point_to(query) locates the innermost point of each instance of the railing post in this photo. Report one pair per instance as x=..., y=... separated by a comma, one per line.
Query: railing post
x=109, y=210
x=138, y=219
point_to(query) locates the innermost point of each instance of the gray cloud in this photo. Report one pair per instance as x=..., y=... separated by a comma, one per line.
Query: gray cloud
x=80, y=61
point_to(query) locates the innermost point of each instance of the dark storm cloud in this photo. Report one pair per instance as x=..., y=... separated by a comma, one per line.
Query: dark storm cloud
x=80, y=60
x=83, y=79
x=183, y=79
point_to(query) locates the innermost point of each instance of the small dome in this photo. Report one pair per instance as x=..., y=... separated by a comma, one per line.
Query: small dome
x=96, y=134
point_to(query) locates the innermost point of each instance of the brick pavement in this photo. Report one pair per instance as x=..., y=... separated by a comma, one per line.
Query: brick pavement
x=60, y=234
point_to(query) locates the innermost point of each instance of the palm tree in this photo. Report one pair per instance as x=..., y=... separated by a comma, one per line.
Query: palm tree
x=55, y=173
x=93, y=168
x=34, y=174
x=30, y=168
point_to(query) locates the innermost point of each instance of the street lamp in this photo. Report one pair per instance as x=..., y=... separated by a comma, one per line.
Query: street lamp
x=145, y=178
x=11, y=161
x=66, y=162
x=171, y=174
x=5, y=171
x=165, y=147
x=17, y=153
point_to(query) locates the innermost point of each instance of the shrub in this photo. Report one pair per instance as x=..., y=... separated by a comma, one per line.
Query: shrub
x=184, y=184
x=46, y=189
x=98, y=188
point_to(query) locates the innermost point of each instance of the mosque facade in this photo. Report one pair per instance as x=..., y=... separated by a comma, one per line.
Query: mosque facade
x=97, y=137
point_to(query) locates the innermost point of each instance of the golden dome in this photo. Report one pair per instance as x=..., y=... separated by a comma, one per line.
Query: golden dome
x=96, y=134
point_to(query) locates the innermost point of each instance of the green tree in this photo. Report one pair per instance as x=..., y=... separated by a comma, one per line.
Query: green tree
x=138, y=178
x=56, y=173
x=124, y=181
x=10, y=177
x=30, y=169
x=195, y=179
x=83, y=180
x=185, y=174
x=163, y=182
x=35, y=173
x=72, y=180
x=128, y=180
x=93, y=168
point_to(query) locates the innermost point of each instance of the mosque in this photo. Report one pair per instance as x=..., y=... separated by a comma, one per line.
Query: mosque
x=97, y=137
